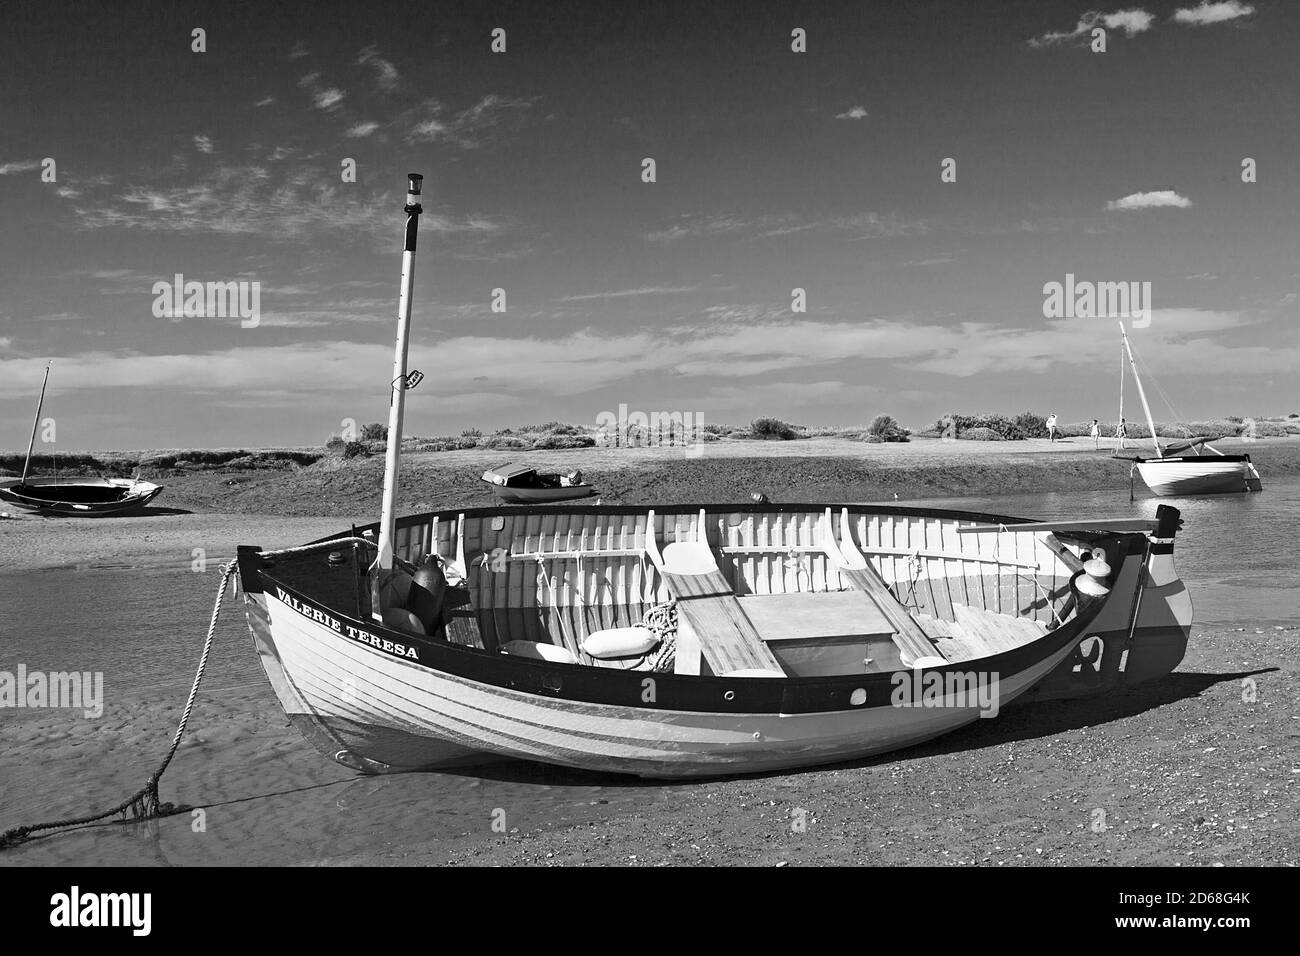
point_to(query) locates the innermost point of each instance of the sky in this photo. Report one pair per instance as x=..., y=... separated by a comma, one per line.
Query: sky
x=774, y=170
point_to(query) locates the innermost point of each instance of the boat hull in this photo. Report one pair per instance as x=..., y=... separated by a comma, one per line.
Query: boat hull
x=382, y=700
x=82, y=498
x=378, y=713
x=537, y=496
x=1199, y=475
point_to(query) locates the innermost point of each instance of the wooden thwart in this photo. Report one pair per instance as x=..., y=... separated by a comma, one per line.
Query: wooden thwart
x=857, y=570
x=709, y=607
x=726, y=636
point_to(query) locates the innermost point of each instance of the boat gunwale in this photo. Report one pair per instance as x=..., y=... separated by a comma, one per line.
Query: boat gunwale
x=722, y=508
x=1195, y=460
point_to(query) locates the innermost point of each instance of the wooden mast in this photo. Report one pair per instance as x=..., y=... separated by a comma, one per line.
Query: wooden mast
x=1141, y=392
x=1121, y=382
x=36, y=423
x=400, y=383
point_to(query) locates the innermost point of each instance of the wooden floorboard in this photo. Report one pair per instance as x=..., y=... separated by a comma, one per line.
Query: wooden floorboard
x=909, y=636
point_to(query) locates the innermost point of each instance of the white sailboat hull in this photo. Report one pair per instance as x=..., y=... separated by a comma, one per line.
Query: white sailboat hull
x=1199, y=476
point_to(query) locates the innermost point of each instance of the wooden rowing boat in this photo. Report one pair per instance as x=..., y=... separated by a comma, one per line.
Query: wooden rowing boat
x=784, y=657
x=693, y=640
x=521, y=485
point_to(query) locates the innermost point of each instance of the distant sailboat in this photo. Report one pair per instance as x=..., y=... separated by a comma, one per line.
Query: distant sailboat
x=81, y=497
x=1169, y=473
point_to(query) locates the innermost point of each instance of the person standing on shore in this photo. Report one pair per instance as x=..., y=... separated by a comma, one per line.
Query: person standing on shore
x=1121, y=432
x=1051, y=426
x=1095, y=432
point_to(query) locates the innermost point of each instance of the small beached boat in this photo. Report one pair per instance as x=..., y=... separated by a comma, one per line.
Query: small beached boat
x=693, y=640
x=521, y=485
x=1168, y=473
x=79, y=497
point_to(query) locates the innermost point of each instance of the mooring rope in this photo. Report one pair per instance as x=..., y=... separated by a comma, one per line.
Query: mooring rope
x=144, y=804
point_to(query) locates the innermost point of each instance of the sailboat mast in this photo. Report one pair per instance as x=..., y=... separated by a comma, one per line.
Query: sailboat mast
x=36, y=423
x=397, y=399
x=1121, y=381
x=1151, y=423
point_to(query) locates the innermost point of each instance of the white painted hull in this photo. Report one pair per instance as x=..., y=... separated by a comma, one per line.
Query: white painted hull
x=1201, y=476
x=386, y=714
x=376, y=704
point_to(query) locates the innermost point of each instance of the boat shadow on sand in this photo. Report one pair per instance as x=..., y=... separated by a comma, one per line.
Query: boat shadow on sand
x=150, y=511
x=1030, y=721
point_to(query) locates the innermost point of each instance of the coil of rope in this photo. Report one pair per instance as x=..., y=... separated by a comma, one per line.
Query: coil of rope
x=662, y=619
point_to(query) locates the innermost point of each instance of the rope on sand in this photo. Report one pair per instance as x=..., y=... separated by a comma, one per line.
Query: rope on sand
x=145, y=804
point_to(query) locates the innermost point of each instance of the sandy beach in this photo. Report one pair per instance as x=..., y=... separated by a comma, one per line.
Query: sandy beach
x=1195, y=769
x=1176, y=772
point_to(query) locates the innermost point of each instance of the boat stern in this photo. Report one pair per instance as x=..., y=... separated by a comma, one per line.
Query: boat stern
x=1162, y=620
x=1253, y=482
x=1142, y=631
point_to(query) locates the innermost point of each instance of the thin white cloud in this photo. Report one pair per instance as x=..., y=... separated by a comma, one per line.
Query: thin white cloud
x=1206, y=12
x=361, y=130
x=1132, y=22
x=284, y=203
x=431, y=122
x=866, y=225
x=856, y=113
x=203, y=143
x=264, y=101
x=324, y=99
x=625, y=293
x=1159, y=199
x=386, y=75
x=22, y=166
x=299, y=51
x=429, y=129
